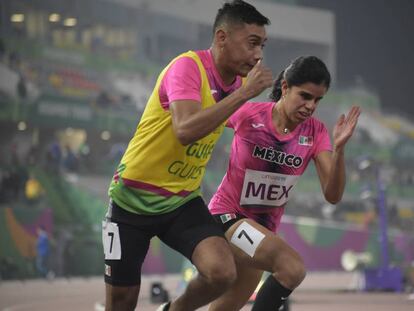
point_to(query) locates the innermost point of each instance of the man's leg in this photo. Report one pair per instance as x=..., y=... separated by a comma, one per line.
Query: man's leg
x=125, y=247
x=216, y=273
x=238, y=295
x=194, y=233
x=121, y=297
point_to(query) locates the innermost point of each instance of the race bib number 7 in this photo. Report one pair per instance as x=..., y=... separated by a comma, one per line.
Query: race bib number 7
x=111, y=241
x=266, y=188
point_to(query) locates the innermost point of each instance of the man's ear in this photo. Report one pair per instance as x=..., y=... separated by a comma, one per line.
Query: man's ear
x=220, y=37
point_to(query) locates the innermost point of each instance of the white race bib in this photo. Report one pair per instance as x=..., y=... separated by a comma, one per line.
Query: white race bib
x=266, y=189
x=111, y=241
x=247, y=238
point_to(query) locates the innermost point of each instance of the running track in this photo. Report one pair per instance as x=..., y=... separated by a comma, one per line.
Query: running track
x=319, y=292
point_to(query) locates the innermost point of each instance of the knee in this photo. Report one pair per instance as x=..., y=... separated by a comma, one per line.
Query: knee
x=292, y=274
x=298, y=273
x=221, y=275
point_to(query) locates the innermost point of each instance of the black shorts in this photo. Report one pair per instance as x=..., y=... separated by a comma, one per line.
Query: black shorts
x=181, y=229
x=227, y=220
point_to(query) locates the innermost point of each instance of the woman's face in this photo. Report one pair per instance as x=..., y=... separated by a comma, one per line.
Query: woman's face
x=301, y=101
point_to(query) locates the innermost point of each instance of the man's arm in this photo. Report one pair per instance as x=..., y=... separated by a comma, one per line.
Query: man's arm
x=191, y=122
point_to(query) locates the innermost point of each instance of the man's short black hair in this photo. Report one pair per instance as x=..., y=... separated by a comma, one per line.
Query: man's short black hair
x=239, y=12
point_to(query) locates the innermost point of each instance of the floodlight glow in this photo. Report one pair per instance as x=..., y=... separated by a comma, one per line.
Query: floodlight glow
x=54, y=18
x=70, y=22
x=17, y=18
x=21, y=126
x=105, y=135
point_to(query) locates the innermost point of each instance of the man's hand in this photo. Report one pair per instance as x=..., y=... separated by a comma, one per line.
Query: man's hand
x=258, y=79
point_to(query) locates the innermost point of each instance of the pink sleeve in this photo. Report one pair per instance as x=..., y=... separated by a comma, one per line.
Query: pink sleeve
x=237, y=116
x=323, y=141
x=182, y=81
x=230, y=122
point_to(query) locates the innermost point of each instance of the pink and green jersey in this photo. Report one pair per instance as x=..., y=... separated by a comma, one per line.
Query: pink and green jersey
x=157, y=174
x=264, y=166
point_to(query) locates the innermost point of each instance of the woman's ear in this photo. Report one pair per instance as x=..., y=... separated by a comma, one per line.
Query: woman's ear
x=284, y=87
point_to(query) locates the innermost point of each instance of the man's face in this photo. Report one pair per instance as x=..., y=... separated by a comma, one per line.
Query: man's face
x=243, y=47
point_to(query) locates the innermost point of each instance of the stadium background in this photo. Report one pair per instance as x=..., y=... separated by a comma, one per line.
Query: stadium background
x=74, y=78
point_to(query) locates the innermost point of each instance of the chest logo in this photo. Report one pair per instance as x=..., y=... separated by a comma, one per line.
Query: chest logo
x=257, y=125
x=306, y=140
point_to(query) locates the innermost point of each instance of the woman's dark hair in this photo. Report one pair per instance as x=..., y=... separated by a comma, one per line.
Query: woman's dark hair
x=302, y=70
x=239, y=12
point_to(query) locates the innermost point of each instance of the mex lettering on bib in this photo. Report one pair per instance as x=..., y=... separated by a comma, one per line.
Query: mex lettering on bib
x=266, y=189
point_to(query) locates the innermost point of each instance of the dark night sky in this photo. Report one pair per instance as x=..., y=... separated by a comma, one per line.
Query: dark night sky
x=375, y=40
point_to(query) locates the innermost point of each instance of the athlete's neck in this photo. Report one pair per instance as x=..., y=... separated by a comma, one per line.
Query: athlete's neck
x=280, y=119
